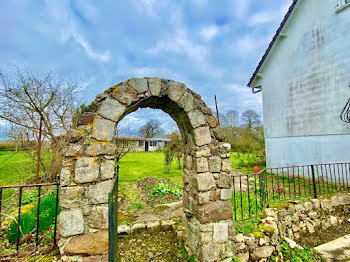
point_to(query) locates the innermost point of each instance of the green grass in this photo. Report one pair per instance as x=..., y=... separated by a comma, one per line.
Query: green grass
x=138, y=165
x=245, y=162
x=17, y=167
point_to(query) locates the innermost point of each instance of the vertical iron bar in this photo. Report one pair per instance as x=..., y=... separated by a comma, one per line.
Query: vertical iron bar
x=278, y=186
x=342, y=171
x=325, y=169
x=299, y=180
x=38, y=218
x=304, y=181
x=338, y=177
x=290, y=196
x=310, y=179
x=248, y=195
x=347, y=175
x=234, y=197
x=273, y=190
x=0, y=205
x=295, y=193
x=314, y=181
x=284, y=188
x=56, y=211
x=256, y=197
x=19, y=217
x=240, y=191
x=318, y=178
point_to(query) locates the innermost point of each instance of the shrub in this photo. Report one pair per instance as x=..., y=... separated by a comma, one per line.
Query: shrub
x=162, y=189
x=29, y=220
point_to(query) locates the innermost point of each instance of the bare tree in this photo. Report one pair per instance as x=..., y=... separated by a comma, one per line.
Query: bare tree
x=232, y=117
x=250, y=119
x=151, y=129
x=42, y=105
x=122, y=140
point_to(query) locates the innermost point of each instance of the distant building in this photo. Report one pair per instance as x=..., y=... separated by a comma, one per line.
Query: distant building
x=139, y=144
x=304, y=77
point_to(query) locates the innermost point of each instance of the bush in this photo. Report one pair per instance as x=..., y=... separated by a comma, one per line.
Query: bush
x=162, y=189
x=29, y=220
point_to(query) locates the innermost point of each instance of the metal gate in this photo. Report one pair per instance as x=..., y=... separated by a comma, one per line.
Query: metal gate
x=113, y=220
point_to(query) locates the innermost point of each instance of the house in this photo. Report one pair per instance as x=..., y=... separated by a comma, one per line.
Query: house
x=304, y=77
x=142, y=144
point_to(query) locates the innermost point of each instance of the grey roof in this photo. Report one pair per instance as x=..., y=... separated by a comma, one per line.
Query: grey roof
x=290, y=11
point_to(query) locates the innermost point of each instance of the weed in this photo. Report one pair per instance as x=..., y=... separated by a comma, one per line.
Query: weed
x=183, y=255
x=29, y=220
x=162, y=189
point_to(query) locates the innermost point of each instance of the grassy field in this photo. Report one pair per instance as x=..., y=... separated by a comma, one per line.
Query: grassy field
x=16, y=167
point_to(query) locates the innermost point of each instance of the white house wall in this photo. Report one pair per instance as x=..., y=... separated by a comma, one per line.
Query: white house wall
x=306, y=85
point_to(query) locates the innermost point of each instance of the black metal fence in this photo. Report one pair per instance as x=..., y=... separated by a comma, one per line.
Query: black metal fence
x=28, y=210
x=113, y=220
x=253, y=192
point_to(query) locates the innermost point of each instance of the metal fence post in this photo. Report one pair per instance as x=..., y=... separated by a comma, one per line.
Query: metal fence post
x=56, y=211
x=314, y=180
x=113, y=220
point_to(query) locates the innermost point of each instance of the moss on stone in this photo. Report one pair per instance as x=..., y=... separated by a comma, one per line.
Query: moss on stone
x=258, y=235
x=268, y=229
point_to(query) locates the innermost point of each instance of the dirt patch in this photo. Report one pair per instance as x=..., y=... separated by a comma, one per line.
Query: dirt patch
x=155, y=191
x=162, y=246
x=323, y=235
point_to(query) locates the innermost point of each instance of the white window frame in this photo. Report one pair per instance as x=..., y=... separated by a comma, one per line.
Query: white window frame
x=141, y=143
x=342, y=4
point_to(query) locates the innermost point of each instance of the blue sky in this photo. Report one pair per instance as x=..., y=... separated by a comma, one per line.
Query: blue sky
x=211, y=46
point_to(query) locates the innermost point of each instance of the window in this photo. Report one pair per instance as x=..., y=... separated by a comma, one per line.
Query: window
x=153, y=143
x=141, y=143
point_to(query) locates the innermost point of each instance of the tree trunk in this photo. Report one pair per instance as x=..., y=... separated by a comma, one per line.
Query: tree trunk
x=38, y=153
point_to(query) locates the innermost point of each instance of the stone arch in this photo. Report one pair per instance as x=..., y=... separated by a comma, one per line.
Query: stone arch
x=87, y=175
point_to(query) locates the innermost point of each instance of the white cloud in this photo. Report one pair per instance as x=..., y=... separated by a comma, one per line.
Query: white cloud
x=261, y=18
x=179, y=43
x=102, y=57
x=209, y=32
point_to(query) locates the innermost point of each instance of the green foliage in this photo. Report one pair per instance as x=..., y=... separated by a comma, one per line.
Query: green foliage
x=183, y=255
x=236, y=259
x=162, y=189
x=29, y=220
x=246, y=162
x=299, y=255
x=247, y=226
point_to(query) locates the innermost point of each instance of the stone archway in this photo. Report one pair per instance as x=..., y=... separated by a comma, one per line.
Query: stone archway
x=87, y=174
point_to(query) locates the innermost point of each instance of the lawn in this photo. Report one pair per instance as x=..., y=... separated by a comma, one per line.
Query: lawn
x=16, y=167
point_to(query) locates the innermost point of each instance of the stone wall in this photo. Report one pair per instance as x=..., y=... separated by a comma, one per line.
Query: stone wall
x=87, y=175
x=288, y=223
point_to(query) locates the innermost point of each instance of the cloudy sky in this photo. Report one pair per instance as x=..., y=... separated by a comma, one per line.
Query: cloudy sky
x=211, y=46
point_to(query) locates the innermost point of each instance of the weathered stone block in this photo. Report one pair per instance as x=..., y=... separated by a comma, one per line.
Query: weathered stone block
x=125, y=94
x=203, y=197
x=226, y=165
x=202, y=135
x=188, y=162
x=215, y=164
x=111, y=109
x=138, y=228
x=65, y=176
x=103, y=129
x=262, y=252
x=86, y=170
x=98, y=194
x=70, y=197
x=224, y=181
x=176, y=91
x=107, y=169
x=124, y=230
x=74, y=150
x=205, y=237
x=213, y=211
x=101, y=149
x=203, y=152
x=202, y=165
x=139, y=84
x=70, y=223
x=211, y=120
x=153, y=227
x=196, y=118
x=155, y=85
x=88, y=244
x=226, y=194
x=187, y=102
x=209, y=252
x=326, y=204
x=167, y=225
x=220, y=233
x=204, y=181
x=98, y=217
